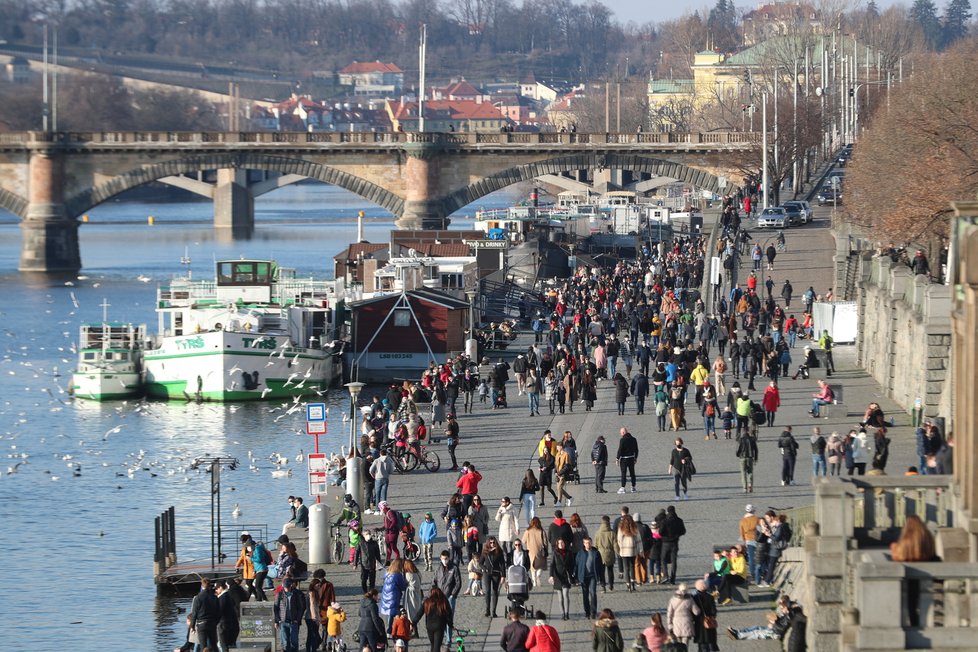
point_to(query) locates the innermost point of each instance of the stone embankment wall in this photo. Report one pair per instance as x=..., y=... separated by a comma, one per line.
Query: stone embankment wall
x=904, y=337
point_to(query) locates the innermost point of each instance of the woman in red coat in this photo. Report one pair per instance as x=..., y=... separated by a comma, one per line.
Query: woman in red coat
x=542, y=637
x=771, y=402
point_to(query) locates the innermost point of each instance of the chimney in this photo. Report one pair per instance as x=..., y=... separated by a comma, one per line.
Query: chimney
x=360, y=226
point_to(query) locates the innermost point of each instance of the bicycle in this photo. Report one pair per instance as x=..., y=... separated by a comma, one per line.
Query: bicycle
x=460, y=635
x=336, y=531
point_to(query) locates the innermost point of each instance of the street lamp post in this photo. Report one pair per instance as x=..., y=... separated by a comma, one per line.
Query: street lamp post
x=354, y=462
x=215, y=463
x=471, y=344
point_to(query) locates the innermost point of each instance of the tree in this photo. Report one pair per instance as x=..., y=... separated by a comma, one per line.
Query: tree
x=900, y=188
x=722, y=24
x=957, y=14
x=924, y=14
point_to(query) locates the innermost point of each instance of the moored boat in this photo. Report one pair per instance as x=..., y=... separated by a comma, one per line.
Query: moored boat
x=255, y=332
x=109, y=361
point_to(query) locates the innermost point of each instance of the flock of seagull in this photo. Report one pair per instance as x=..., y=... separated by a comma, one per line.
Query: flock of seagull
x=29, y=359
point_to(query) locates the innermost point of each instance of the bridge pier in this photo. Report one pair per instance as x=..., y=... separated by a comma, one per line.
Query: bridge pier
x=49, y=237
x=234, y=203
x=422, y=208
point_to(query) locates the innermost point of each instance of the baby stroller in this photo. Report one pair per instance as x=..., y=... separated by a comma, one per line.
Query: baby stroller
x=517, y=587
x=501, y=398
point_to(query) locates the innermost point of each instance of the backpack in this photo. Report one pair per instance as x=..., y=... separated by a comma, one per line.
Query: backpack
x=265, y=556
x=398, y=521
x=299, y=567
x=710, y=410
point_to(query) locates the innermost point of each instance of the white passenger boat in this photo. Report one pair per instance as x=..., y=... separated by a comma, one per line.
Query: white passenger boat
x=109, y=361
x=256, y=332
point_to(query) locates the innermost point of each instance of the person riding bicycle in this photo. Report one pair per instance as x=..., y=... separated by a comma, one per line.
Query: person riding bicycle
x=351, y=511
x=355, y=536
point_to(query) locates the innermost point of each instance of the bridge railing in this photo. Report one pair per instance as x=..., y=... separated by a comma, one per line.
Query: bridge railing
x=382, y=138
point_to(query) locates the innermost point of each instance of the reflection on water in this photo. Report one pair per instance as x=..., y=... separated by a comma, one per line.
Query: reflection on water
x=86, y=543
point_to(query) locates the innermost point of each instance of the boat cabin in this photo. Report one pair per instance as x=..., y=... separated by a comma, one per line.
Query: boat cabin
x=246, y=280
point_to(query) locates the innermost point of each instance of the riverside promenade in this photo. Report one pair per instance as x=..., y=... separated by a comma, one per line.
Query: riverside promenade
x=502, y=444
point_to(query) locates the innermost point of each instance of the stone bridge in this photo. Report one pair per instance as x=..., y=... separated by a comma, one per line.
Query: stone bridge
x=50, y=179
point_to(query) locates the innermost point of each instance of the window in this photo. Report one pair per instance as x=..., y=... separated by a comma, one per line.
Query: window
x=451, y=280
x=402, y=317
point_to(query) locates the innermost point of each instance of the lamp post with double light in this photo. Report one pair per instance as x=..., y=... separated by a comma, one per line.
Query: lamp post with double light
x=354, y=461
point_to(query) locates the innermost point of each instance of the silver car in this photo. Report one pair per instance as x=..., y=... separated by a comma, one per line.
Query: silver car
x=772, y=218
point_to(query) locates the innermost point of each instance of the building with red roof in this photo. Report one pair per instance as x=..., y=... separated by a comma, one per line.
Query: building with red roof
x=447, y=115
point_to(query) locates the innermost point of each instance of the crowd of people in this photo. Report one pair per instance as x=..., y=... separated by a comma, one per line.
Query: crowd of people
x=641, y=330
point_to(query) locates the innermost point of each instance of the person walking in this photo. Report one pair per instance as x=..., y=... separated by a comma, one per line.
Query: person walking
x=451, y=439
x=514, y=634
x=626, y=457
x=371, y=629
x=747, y=454
x=606, y=634
x=819, y=446
x=789, y=455
x=621, y=393
x=367, y=558
x=439, y=617
x=681, y=467
x=672, y=528
x=547, y=463
x=542, y=637
x=629, y=542
x=681, y=615
x=599, y=460
x=205, y=613
x=588, y=567
x=827, y=344
x=835, y=451
x=509, y=527
x=771, y=402
x=533, y=388
x=381, y=471
x=607, y=545
x=563, y=467
x=562, y=574
x=720, y=374
x=290, y=609
x=705, y=630
x=640, y=390
x=535, y=543
x=493, y=564
x=786, y=292
x=448, y=579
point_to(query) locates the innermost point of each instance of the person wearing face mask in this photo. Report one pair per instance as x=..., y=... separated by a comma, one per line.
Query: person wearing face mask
x=366, y=558
x=448, y=578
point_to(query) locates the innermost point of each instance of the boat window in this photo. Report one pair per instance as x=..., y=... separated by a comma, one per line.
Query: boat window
x=244, y=273
x=402, y=317
x=109, y=355
x=123, y=356
x=89, y=356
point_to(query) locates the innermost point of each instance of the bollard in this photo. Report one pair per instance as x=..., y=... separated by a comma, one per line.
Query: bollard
x=85, y=218
x=319, y=534
x=354, y=479
x=151, y=220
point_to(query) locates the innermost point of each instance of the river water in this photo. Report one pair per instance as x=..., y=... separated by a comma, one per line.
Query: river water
x=78, y=550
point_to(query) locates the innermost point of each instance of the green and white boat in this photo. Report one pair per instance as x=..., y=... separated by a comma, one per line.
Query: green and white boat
x=109, y=361
x=256, y=332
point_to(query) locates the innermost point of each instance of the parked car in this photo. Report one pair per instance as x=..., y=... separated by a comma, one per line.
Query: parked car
x=792, y=213
x=772, y=218
x=828, y=196
x=804, y=207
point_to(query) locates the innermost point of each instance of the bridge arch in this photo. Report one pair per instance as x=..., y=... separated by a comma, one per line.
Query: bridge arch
x=83, y=201
x=633, y=162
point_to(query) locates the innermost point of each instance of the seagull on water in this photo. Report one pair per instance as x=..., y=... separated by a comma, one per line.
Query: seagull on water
x=236, y=512
x=111, y=431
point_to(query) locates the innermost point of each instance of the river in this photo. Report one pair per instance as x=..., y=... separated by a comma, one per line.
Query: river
x=79, y=550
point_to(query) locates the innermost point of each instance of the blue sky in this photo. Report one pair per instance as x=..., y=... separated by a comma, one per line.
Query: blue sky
x=642, y=11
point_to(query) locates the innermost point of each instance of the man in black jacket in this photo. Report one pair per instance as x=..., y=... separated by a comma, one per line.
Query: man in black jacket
x=560, y=529
x=290, y=608
x=789, y=455
x=640, y=390
x=599, y=459
x=205, y=613
x=747, y=452
x=448, y=578
x=228, y=627
x=626, y=458
x=367, y=557
x=671, y=529
x=514, y=634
